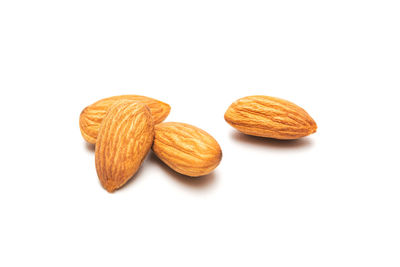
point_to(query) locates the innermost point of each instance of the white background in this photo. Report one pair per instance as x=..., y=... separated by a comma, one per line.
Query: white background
x=331, y=199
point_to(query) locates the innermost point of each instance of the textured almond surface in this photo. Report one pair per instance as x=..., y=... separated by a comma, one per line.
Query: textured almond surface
x=124, y=139
x=186, y=148
x=271, y=117
x=92, y=116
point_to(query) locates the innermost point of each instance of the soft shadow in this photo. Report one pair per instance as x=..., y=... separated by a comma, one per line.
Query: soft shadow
x=195, y=182
x=90, y=147
x=272, y=143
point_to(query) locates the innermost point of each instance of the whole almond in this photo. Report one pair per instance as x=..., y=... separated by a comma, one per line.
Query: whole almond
x=186, y=148
x=92, y=116
x=271, y=117
x=125, y=137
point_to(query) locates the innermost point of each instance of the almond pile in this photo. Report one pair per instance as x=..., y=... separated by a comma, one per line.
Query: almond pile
x=124, y=128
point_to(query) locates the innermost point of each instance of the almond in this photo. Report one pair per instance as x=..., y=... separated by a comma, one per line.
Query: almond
x=271, y=117
x=92, y=116
x=125, y=137
x=186, y=148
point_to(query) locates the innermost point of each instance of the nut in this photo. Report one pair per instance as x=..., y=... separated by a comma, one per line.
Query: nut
x=271, y=117
x=186, y=148
x=125, y=137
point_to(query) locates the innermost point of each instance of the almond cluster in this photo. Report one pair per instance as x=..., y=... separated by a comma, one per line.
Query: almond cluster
x=125, y=128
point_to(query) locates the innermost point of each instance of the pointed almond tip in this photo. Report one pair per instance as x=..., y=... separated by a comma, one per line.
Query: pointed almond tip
x=168, y=110
x=313, y=128
x=110, y=189
x=167, y=106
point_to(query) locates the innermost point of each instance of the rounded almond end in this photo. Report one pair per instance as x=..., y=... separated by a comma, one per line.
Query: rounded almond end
x=226, y=117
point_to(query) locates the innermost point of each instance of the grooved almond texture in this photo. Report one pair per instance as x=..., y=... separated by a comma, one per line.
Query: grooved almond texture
x=186, y=148
x=124, y=139
x=271, y=117
x=92, y=116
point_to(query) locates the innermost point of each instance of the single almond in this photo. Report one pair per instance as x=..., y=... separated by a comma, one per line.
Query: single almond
x=125, y=137
x=92, y=116
x=186, y=148
x=271, y=117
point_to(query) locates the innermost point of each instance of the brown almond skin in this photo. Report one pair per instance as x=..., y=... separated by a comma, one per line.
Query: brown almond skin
x=270, y=117
x=125, y=137
x=186, y=149
x=92, y=116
